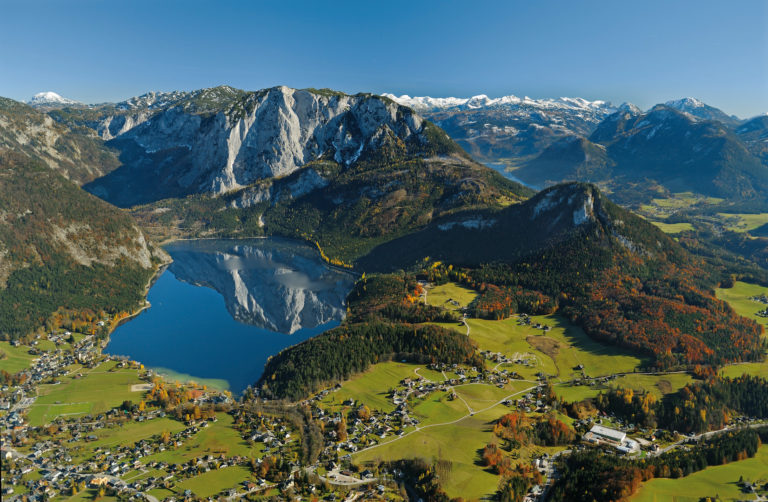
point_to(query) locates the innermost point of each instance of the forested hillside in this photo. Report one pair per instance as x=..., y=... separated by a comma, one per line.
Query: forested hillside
x=62, y=249
x=616, y=275
x=384, y=323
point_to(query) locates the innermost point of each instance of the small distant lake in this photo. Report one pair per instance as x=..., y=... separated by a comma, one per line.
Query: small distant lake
x=502, y=169
x=224, y=306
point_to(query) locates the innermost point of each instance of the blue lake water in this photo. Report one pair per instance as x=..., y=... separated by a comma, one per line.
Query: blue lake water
x=502, y=169
x=223, y=307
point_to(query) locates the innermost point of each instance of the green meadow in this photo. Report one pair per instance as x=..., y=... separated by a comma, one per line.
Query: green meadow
x=441, y=295
x=718, y=480
x=672, y=228
x=738, y=297
x=213, y=482
x=372, y=386
x=655, y=384
x=438, y=408
x=461, y=444
x=97, y=391
x=218, y=438
x=14, y=359
x=557, y=352
x=458, y=443
x=127, y=434
x=743, y=222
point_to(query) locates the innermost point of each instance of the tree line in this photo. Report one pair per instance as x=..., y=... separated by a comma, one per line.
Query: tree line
x=600, y=477
x=697, y=407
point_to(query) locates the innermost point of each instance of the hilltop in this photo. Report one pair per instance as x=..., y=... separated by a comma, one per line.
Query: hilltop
x=610, y=271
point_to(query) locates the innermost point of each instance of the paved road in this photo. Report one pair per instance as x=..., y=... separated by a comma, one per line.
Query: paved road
x=705, y=435
x=551, y=474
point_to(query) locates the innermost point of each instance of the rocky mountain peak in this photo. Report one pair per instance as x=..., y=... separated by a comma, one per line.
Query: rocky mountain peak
x=702, y=111
x=222, y=139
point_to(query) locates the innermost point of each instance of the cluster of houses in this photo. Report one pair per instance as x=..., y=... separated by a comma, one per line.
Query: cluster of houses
x=764, y=300
x=525, y=320
x=363, y=432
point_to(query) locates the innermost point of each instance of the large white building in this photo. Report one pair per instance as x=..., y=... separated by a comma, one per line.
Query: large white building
x=619, y=440
x=600, y=433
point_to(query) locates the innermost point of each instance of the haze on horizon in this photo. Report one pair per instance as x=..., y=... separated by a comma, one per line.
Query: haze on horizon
x=647, y=53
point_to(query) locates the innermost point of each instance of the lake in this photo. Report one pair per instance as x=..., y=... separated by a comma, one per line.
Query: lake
x=502, y=169
x=224, y=306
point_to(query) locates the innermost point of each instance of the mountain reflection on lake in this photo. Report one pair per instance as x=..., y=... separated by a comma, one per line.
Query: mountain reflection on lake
x=259, y=297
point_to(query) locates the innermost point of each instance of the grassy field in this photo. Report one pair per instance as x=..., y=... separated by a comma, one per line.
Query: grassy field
x=685, y=199
x=481, y=396
x=127, y=434
x=14, y=359
x=459, y=443
x=440, y=296
x=97, y=391
x=756, y=369
x=738, y=298
x=656, y=384
x=672, y=228
x=719, y=480
x=87, y=495
x=557, y=352
x=371, y=387
x=213, y=482
x=218, y=438
x=743, y=222
x=663, y=207
x=437, y=408
x=161, y=493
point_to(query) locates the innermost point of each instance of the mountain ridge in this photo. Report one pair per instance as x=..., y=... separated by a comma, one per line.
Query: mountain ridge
x=222, y=139
x=665, y=145
x=611, y=272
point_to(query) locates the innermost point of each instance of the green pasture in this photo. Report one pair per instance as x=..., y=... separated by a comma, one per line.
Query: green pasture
x=14, y=359
x=719, y=480
x=97, y=391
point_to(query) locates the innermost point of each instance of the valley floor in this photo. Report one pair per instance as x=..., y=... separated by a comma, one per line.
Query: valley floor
x=88, y=416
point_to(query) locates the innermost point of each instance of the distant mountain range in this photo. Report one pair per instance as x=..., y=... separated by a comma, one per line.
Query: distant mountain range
x=509, y=129
x=221, y=140
x=681, y=145
x=664, y=145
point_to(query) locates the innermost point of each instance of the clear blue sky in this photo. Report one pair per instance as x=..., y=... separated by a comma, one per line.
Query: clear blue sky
x=645, y=51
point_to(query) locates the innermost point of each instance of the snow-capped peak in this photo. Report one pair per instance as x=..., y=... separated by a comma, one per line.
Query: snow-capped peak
x=482, y=101
x=685, y=103
x=50, y=98
x=628, y=107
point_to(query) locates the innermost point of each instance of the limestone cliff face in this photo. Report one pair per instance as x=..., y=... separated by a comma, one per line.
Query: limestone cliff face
x=222, y=139
x=278, y=285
